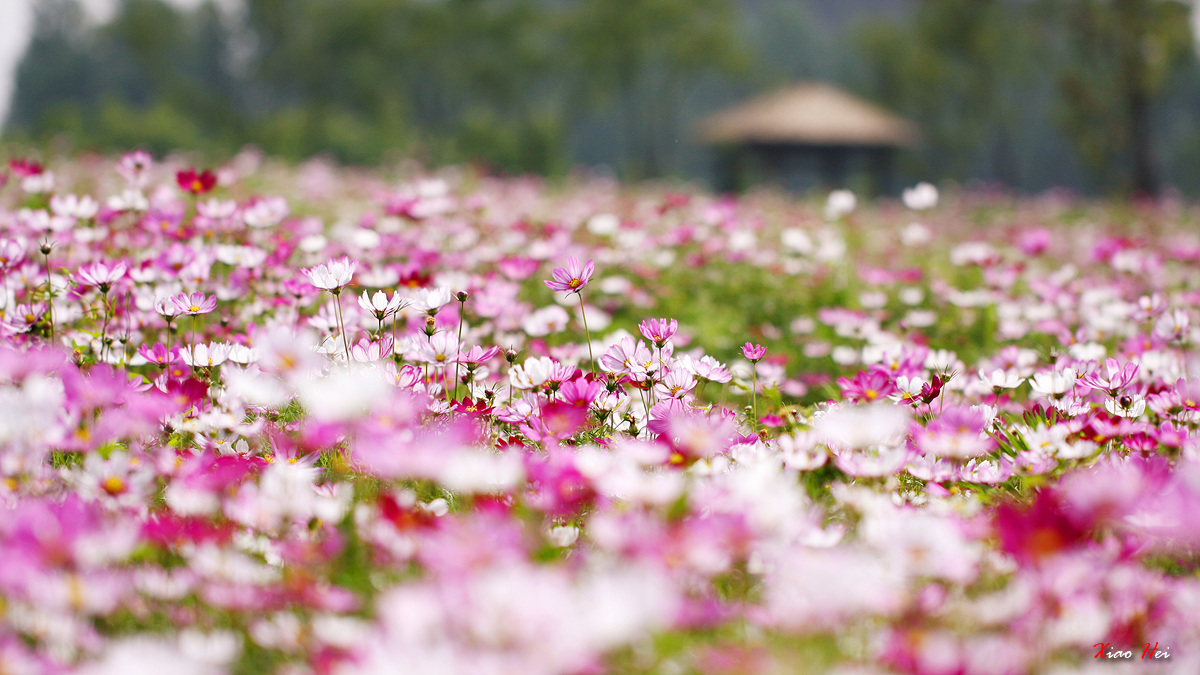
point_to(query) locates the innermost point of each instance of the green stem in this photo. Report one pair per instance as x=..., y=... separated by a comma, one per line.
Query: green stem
x=583, y=314
x=104, y=329
x=462, y=307
x=337, y=296
x=167, y=367
x=754, y=395
x=49, y=297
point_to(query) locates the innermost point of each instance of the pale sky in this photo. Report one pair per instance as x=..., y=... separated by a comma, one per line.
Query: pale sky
x=16, y=21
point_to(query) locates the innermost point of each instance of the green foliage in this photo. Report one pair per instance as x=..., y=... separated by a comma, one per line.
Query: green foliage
x=504, y=82
x=963, y=68
x=1119, y=57
x=983, y=78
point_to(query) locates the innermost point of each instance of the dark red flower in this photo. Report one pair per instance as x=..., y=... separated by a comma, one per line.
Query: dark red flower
x=472, y=407
x=196, y=183
x=24, y=168
x=1034, y=532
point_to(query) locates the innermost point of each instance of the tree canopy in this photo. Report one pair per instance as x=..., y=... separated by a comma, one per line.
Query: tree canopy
x=1094, y=94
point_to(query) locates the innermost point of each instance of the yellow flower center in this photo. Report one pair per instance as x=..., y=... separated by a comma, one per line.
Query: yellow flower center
x=193, y=308
x=575, y=283
x=113, y=485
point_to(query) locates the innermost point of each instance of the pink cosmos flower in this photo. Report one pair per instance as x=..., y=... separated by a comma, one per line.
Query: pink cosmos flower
x=12, y=253
x=156, y=354
x=579, y=392
x=705, y=368
x=629, y=357
x=690, y=434
x=675, y=384
x=517, y=268
x=1112, y=378
x=658, y=331
x=1175, y=400
x=958, y=432
x=753, y=352
x=370, y=351
x=133, y=167
x=477, y=355
x=574, y=277
x=193, y=304
x=101, y=275
x=867, y=385
x=334, y=275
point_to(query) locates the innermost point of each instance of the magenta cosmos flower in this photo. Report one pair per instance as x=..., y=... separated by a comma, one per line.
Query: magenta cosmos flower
x=572, y=278
x=194, y=303
x=753, y=352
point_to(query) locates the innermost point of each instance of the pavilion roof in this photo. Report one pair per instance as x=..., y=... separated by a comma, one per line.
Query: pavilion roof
x=811, y=114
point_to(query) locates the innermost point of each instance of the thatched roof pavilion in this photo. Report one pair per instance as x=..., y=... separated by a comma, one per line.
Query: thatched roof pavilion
x=807, y=136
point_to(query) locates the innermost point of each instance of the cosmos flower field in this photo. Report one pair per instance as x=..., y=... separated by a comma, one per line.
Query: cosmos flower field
x=271, y=419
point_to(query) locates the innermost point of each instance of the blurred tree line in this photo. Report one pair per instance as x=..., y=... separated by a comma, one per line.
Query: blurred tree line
x=506, y=82
x=1097, y=95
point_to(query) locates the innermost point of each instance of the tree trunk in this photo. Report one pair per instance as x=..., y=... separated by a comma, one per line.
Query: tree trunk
x=1145, y=179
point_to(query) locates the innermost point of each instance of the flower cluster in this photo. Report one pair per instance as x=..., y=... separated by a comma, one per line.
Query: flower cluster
x=944, y=450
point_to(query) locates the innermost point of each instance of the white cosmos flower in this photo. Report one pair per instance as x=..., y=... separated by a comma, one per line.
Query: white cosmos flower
x=840, y=203
x=1000, y=379
x=863, y=425
x=130, y=199
x=921, y=197
x=333, y=275
x=430, y=300
x=440, y=348
x=73, y=206
x=1126, y=405
x=205, y=355
x=545, y=321
x=1052, y=383
x=533, y=374
x=265, y=212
